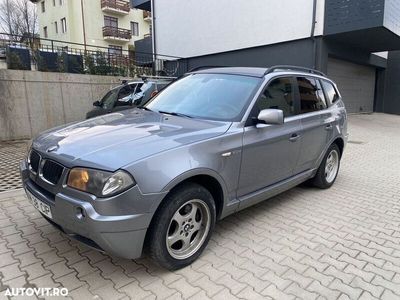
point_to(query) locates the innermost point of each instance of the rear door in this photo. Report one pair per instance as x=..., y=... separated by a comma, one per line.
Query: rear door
x=317, y=122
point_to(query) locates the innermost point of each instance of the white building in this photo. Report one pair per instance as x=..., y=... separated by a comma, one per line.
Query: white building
x=335, y=36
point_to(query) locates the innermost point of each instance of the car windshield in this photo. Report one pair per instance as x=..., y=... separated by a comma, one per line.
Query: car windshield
x=219, y=97
x=109, y=99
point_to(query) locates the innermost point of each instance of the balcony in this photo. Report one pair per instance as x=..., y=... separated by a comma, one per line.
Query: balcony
x=116, y=34
x=372, y=24
x=147, y=16
x=142, y=4
x=115, y=7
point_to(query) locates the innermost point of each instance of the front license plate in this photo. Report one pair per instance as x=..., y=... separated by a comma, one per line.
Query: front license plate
x=39, y=205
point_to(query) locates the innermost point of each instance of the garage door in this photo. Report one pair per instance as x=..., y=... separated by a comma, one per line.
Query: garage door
x=356, y=84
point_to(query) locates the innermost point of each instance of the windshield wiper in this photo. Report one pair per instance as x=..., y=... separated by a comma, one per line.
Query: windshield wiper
x=175, y=114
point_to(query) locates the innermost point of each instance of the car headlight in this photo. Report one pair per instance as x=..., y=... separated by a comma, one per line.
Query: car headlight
x=100, y=183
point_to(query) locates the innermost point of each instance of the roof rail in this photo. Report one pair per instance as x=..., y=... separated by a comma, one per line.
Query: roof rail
x=205, y=68
x=143, y=77
x=294, y=68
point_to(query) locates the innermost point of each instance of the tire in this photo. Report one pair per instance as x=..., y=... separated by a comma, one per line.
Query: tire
x=175, y=245
x=324, y=179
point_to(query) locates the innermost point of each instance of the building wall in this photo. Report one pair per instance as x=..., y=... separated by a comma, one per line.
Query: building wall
x=298, y=52
x=391, y=99
x=31, y=102
x=94, y=22
x=52, y=14
x=391, y=19
x=194, y=28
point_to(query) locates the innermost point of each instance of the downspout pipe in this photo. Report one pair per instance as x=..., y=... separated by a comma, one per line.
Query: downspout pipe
x=153, y=35
x=83, y=25
x=312, y=35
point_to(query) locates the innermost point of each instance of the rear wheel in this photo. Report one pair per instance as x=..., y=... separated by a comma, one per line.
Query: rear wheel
x=329, y=168
x=182, y=226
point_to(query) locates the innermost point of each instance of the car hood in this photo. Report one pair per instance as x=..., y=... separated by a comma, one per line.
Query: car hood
x=115, y=140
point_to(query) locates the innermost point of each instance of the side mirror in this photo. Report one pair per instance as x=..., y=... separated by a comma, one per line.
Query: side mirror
x=271, y=116
x=96, y=103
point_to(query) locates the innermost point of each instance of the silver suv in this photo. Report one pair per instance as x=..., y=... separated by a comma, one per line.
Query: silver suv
x=212, y=143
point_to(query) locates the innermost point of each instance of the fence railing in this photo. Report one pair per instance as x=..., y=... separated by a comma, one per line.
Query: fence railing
x=46, y=55
x=115, y=32
x=116, y=4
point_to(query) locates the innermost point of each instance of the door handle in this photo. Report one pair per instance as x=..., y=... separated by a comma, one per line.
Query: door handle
x=294, y=137
x=329, y=127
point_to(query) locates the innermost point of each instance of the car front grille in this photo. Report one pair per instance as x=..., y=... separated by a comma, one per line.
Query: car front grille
x=34, y=160
x=51, y=171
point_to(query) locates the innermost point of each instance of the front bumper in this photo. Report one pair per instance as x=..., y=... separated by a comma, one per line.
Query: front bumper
x=110, y=224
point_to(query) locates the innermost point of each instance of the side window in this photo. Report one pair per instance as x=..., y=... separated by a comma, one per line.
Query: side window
x=311, y=95
x=124, y=94
x=278, y=95
x=330, y=92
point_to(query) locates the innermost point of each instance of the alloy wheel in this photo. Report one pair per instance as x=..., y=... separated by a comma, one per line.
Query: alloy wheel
x=188, y=229
x=332, y=166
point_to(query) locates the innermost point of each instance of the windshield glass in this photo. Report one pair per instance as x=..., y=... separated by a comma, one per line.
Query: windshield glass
x=208, y=96
x=109, y=99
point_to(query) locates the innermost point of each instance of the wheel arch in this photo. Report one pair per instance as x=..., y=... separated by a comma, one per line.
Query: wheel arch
x=207, y=178
x=340, y=143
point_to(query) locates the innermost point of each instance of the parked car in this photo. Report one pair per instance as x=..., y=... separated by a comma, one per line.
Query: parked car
x=212, y=143
x=127, y=96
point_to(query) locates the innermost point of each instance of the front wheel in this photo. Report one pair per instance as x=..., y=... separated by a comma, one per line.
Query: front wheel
x=182, y=226
x=329, y=168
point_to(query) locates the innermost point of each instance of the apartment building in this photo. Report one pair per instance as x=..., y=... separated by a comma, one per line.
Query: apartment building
x=348, y=40
x=113, y=24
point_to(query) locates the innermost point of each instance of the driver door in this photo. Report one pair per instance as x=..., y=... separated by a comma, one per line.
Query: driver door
x=270, y=152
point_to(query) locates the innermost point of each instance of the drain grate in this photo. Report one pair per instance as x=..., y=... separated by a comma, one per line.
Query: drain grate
x=11, y=154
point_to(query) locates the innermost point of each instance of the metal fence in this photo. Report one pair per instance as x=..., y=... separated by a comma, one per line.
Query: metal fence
x=46, y=55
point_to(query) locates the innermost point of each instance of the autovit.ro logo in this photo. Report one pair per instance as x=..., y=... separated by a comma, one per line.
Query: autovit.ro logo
x=38, y=292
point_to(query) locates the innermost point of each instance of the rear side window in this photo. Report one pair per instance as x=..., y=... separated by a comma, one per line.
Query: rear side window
x=330, y=92
x=311, y=95
x=279, y=94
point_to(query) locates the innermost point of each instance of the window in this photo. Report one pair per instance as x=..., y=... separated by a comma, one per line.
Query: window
x=125, y=95
x=54, y=2
x=279, y=94
x=45, y=31
x=109, y=99
x=330, y=92
x=61, y=2
x=43, y=5
x=114, y=50
x=63, y=25
x=135, y=28
x=311, y=95
x=56, y=26
x=110, y=22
